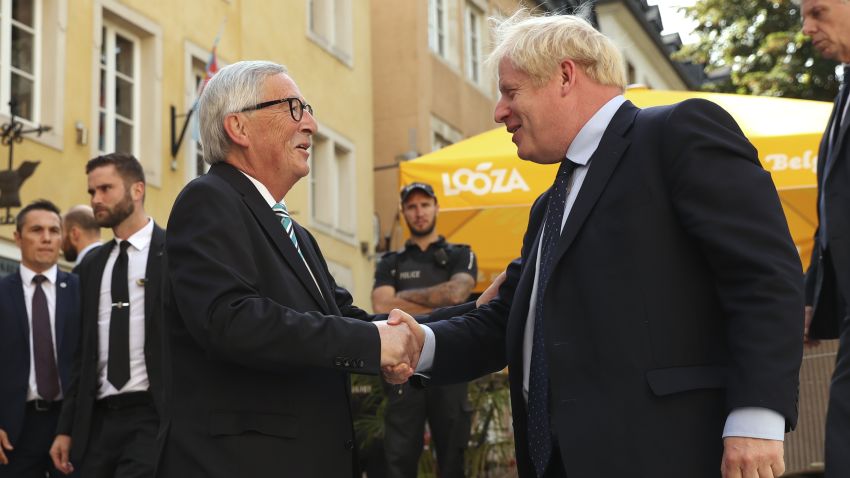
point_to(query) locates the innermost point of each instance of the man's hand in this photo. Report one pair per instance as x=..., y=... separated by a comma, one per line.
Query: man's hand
x=5, y=445
x=401, y=343
x=810, y=311
x=752, y=457
x=60, y=453
x=492, y=291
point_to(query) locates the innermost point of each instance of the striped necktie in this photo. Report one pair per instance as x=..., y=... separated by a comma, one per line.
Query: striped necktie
x=286, y=221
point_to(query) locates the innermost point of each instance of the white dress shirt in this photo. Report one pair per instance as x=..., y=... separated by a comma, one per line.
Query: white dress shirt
x=86, y=250
x=49, y=288
x=748, y=421
x=137, y=263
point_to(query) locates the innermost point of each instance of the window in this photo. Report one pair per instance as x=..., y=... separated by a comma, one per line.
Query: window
x=329, y=25
x=20, y=42
x=473, y=42
x=196, y=73
x=442, y=134
x=437, y=27
x=119, y=92
x=332, y=181
x=127, y=94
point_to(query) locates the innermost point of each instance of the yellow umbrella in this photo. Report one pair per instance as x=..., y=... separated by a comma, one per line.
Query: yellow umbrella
x=485, y=190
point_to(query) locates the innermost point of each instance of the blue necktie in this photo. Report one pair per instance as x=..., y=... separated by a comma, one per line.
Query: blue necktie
x=286, y=221
x=539, y=432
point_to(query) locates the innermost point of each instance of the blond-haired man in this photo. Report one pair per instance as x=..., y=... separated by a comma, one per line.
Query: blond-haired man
x=652, y=325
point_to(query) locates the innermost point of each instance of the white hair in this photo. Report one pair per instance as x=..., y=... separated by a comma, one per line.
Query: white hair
x=234, y=88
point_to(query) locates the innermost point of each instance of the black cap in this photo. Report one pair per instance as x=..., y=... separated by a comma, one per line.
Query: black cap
x=425, y=188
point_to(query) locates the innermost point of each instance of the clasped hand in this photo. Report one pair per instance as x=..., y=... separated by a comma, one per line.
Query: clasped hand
x=402, y=339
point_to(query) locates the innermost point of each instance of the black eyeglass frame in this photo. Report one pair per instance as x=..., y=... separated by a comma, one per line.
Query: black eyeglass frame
x=302, y=106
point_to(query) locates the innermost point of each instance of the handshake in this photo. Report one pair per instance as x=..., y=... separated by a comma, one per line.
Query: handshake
x=402, y=339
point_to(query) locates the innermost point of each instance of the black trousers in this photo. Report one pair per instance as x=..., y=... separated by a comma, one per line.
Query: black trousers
x=449, y=415
x=31, y=458
x=122, y=442
x=837, y=459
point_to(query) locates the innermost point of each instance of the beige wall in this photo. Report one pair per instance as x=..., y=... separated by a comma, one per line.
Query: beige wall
x=338, y=89
x=652, y=67
x=411, y=84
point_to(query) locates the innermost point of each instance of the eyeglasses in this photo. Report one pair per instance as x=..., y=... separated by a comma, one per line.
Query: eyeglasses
x=296, y=107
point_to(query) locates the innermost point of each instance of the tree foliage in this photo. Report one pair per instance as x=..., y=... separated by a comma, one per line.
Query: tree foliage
x=760, y=45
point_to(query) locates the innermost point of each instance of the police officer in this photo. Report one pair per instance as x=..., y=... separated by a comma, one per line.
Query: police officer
x=426, y=274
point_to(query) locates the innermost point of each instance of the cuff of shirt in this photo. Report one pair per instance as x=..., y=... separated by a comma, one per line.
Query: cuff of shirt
x=755, y=422
x=426, y=358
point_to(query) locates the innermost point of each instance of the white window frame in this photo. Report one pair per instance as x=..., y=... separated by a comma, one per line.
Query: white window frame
x=443, y=134
x=194, y=55
x=438, y=38
x=150, y=112
x=334, y=230
x=112, y=30
x=6, y=68
x=338, y=24
x=473, y=26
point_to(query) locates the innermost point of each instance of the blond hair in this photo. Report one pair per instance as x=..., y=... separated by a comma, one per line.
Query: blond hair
x=536, y=45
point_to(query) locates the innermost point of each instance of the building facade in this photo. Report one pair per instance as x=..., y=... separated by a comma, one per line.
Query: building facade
x=106, y=74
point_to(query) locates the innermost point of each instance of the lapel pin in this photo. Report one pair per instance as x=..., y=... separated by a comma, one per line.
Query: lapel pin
x=141, y=282
x=63, y=285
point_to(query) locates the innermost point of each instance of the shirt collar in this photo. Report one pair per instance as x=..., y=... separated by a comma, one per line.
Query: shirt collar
x=82, y=253
x=588, y=138
x=440, y=241
x=27, y=274
x=263, y=190
x=141, y=239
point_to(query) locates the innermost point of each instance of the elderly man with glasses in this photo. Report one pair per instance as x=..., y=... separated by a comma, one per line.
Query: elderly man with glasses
x=262, y=339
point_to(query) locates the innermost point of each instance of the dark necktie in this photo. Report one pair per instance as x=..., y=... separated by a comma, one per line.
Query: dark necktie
x=118, y=364
x=539, y=432
x=46, y=375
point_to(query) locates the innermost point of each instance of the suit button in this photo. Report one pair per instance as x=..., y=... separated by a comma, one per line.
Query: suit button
x=346, y=364
x=361, y=363
x=349, y=445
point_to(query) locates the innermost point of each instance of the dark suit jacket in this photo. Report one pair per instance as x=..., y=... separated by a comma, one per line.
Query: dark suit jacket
x=76, y=416
x=261, y=357
x=828, y=277
x=15, y=344
x=675, y=297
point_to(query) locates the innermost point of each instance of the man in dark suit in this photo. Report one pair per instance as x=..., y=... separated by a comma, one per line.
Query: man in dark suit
x=655, y=307
x=111, y=413
x=262, y=339
x=80, y=233
x=827, y=22
x=39, y=329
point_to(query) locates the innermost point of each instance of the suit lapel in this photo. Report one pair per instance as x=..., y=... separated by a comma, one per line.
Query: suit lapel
x=91, y=299
x=603, y=162
x=829, y=153
x=311, y=255
x=153, y=272
x=63, y=297
x=20, y=308
x=269, y=222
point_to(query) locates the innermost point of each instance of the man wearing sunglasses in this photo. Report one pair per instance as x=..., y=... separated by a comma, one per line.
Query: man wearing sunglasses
x=262, y=338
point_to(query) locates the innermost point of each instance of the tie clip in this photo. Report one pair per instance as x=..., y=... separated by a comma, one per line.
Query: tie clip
x=120, y=305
